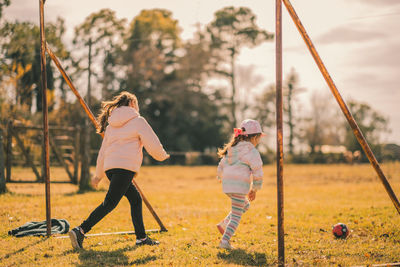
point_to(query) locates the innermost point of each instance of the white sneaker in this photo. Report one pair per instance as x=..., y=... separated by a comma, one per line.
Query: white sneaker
x=225, y=244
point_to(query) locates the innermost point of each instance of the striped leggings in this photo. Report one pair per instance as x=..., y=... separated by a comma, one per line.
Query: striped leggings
x=240, y=204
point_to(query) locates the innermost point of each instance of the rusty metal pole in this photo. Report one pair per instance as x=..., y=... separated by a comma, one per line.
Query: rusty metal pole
x=95, y=123
x=353, y=124
x=279, y=132
x=69, y=82
x=45, y=119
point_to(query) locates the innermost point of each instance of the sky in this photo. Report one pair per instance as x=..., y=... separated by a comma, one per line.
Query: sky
x=357, y=40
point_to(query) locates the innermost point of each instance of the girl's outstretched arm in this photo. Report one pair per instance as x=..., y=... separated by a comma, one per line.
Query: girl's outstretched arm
x=150, y=141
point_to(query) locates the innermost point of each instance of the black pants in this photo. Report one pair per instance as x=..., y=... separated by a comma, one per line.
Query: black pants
x=120, y=185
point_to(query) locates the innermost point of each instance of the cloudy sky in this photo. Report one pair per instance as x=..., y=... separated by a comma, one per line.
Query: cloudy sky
x=357, y=40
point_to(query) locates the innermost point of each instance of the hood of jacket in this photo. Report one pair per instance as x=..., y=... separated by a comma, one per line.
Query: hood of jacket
x=120, y=116
x=236, y=152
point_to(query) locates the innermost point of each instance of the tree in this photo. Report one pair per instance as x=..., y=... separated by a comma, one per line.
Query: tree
x=372, y=124
x=246, y=81
x=193, y=67
x=291, y=89
x=150, y=60
x=265, y=107
x=315, y=123
x=232, y=29
x=150, y=56
x=3, y=4
x=98, y=40
x=196, y=112
x=168, y=77
x=20, y=48
x=323, y=124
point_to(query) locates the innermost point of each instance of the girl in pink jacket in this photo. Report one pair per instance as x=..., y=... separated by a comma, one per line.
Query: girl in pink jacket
x=240, y=170
x=119, y=159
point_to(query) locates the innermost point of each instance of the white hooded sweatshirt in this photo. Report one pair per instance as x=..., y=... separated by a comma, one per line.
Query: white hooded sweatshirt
x=123, y=142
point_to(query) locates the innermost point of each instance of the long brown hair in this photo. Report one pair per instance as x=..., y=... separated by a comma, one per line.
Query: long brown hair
x=234, y=141
x=123, y=99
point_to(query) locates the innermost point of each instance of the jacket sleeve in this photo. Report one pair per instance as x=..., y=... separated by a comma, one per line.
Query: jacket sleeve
x=256, y=164
x=220, y=168
x=150, y=141
x=100, y=173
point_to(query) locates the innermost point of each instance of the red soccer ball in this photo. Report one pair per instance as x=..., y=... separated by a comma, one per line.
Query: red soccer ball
x=340, y=230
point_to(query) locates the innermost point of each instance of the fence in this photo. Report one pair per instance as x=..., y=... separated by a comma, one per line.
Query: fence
x=23, y=147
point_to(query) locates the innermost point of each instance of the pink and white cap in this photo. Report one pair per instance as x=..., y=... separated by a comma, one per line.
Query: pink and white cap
x=251, y=127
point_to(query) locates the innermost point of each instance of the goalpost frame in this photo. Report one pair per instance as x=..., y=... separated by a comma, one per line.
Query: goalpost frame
x=350, y=119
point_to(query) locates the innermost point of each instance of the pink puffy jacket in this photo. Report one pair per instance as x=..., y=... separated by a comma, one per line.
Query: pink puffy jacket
x=126, y=134
x=240, y=168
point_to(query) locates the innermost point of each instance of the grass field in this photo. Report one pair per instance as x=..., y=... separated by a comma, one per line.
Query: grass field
x=190, y=202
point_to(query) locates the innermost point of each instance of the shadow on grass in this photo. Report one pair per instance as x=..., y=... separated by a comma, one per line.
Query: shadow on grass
x=79, y=192
x=24, y=248
x=143, y=260
x=110, y=258
x=241, y=257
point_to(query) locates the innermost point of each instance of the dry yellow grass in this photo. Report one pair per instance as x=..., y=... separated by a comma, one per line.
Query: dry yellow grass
x=190, y=202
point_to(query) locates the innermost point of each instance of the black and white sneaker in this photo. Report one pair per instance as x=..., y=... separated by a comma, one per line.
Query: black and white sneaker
x=77, y=237
x=147, y=241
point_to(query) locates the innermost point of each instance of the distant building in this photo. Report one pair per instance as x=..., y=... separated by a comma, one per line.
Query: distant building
x=327, y=149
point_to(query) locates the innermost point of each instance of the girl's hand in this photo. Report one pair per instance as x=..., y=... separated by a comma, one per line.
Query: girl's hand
x=252, y=195
x=95, y=181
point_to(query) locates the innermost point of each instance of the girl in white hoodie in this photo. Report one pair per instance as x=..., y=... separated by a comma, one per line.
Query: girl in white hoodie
x=240, y=170
x=119, y=159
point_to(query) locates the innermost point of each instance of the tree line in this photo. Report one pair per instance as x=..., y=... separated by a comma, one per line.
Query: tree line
x=171, y=78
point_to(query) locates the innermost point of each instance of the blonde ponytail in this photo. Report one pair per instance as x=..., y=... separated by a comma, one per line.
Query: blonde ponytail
x=123, y=99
